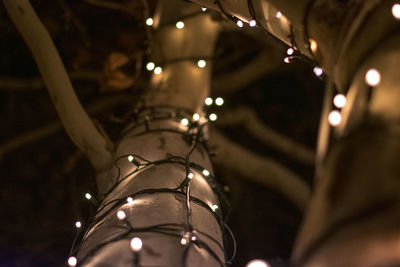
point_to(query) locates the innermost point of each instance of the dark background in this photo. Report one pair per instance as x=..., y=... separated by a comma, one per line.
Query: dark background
x=43, y=181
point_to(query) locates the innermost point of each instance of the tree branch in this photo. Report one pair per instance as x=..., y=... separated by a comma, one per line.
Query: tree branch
x=74, y=118
x=260, y=169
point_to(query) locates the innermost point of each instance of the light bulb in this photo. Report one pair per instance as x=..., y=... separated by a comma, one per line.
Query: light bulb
x=206, y=172
x=185, y=122
x=190, y=175
x=318, y=71
x=339, y=101
x=335, y=118
x=136, y=244
x=203, y=9
x=180, y=25
x=257, y=263
x=150, y=66
x=290, y=51
x=239, y=23
x=208, y=101
x=157, y=70
x=201, y=63
x=213, y=117
x=396, y=11
x=129, y=200
x=78, y=224
x=373, y=77
x=252, y=23
x=130, y=158
x=313, y=45
x=121, y=215
x=183, y=241
x=88, y=196
x=286, y=60
x=219, y=101
x=278, y=15
x=214, y=207
x=196, y=117
x=193, y=238
x=72, y=261
x=149, y=21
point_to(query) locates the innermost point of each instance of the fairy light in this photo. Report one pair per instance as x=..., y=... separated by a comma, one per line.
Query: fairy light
x=150, y=66
x=396, y=11
x=214, y=207
x=88, y=196
x=257, y=263
x=183, y=241
x=208, y=101
x=203, y=9
x=136, y=244
x=286, y=60
x=193, y=238
x=121, y=215
x=131, y=158
x=190, y=175
x=129, y=200
x=185, y=122
x=239, y=23
x=252, y=23
x=278, y=15
x=290, y=51
x=373, y=77
x=339, y=101
x=157, y=70
x=335, y=118
x=313, y=45
x=196, y=117
x=206, y=172
x=149, y=21
x=72, y=261
x=219, y=101
x=213, y=117
x=78, y=224
x=180, y=25
x=201, y=63
x=318, y=71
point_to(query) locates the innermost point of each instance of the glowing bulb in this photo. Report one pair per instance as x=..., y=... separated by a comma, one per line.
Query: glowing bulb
x=185, y=122
x=130, y=158
x=150, y=66
x=214, y=207
x=78, y=224
x=196, y=117
x=313, y=45
x=318, y=71
x=129, y=200
x=203, y=9
x=278, y=15
x=208, y=101
x=290, y=51
x=121, y=215
x=149, y=21
x=183, y=241
x=396, y=11
x=213, y=117
x=335, y=118
x=252, y=23
x=88, y=196
x=206, y=172
x=72, y=261
x=190, y=175
x=339, y=101
x=373, y=77
x=193, y=238
x=219, y=101
x=201, y=63
x=286, y=60
x=180, y=25
x=257, y=263
x=136, y=244
x=239, y=23
x=157, y=70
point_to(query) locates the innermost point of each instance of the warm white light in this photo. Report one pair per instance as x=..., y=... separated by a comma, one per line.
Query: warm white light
x=157, y=70
x=78, y=224
x=373, y=77
x=203, y=9
x=129, y=200
x=335, y=118
x=150, y=66
x=185, y=122
x=257, y=263
x=190, y=175
x=213, y=117
x=183, y=241
x=206, y=172
x=313, y=45
x=201, y=63
x=88, y=196
x=130, y=158
x=396, y=11
x=208, y=101
x=318, y=71
x=149, y=21
x=339, y=101
x=278, y=14
x=219, y=101
x=252, y=23
x=72, y=261
x=180, y=24
x=286, y=60
x=193, y=238
x=136, y=244
x=239, y=23
x=214, y=207
x=196, y=117
x=121, y=214
x=290, y=51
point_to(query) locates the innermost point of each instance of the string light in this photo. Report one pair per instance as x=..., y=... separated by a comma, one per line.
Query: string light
x=131, y=158
x=180, y=25
x=88, y=196
x=150, y=66
x=257, y=263
x=208, y=101
x=121, y=215
x=203, y=9
x=239, y=23
x=201, y=63
x=136, y=244
x=78, y=224
x=183, y=241
x=157, y=70
x=335, y=118
x=313, y=45
x=290, y=51
x=219, y=101
x=196, y=117
x=206, y=172
x=213, y=117
x=318, y=71
x=339, y=101
x=129, y=200
x=373, y=77
x=278, y=15
x=193, y=238
x=214, y=207
x=149, y=21
x=185, y=122
x=396, y=11
x=252, y=23
x=72, y=261
x=190, y=175
x=286, y=60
